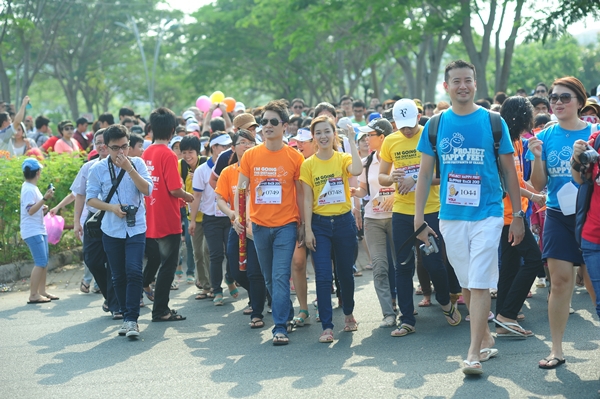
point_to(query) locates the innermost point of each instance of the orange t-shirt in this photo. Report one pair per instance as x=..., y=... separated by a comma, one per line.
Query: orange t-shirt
x=227, y=183
x=273, y=176
x=518, y=156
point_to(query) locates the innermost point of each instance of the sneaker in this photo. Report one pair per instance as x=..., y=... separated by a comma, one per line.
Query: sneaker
x=541, y=282
x=389, y=321
x=117, y=315
x=133, y=330
x=123, y=330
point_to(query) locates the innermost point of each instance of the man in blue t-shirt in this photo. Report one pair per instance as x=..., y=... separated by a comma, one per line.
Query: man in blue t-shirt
x=471, y=214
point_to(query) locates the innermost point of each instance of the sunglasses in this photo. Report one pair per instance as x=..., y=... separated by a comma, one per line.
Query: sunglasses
x=274, y=122
x=116, y=148
x=540, y=91
x=68, y=128
x=564, y=98
x=297, y=106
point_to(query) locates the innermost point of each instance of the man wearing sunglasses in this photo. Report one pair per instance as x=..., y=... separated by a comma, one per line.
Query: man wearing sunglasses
x=297, y=106
x=271, y=172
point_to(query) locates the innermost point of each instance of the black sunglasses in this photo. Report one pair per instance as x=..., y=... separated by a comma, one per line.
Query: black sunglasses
x=273, y=121
x=564, y=98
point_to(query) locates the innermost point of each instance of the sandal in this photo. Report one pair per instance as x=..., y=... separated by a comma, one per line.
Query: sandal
x=149, y=294
x=450, y=316
x=280, y=339
x=257, y=323
x=218, y=301
x=247, y=311
x=350, y=325
x=173, y=316
x=419, y=290
x=83, y=287
x=105, y=307
x=299, y=321
x=472, y=368
x=174, y=286
x=425, y=303
x=326, y=336
x=549, y=365
x=494, y=294
x=403, y=330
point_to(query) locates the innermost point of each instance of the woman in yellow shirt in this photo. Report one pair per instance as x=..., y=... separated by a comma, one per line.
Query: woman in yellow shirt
x=329, y=221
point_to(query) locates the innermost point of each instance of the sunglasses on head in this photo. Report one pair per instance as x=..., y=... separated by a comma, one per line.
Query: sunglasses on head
x=564, y=98
x=274, y=122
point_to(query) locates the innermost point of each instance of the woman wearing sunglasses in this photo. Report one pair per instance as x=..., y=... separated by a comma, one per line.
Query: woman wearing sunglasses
x=329, y=221
x=551, y=151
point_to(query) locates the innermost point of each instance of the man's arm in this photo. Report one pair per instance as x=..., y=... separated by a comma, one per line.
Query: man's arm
x=422, y=193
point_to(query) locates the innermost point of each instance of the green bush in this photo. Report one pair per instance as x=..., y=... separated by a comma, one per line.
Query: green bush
x=60, y=170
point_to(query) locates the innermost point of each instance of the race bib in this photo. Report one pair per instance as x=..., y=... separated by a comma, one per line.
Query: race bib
x=218, y=212
x=412, y=171
x=333, y=192
x=463, y=190
x=268, y=192
x=380, y=198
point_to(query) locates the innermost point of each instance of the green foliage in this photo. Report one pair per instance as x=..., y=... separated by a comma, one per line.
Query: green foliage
x=60, y=170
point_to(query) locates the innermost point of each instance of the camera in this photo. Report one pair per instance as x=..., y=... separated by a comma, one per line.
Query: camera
x=50, y=187
x=432, y=248
x=588, y=157
x=130, y=211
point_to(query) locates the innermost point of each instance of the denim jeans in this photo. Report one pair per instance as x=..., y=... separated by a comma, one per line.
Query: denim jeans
x=252, y=279
x=94, y=257
x=216, y=234
x=275, y=248
x=591, y=256
x=337, y=234
x=515, y=279
x=125, y=259
x=189, y=249
x=168, y=247
x=403, y=228
x=377, y=233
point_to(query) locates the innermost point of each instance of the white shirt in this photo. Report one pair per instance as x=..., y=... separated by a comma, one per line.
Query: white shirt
x=31, y=225
x=376, y=189
x=79, y=185
x=208, y=202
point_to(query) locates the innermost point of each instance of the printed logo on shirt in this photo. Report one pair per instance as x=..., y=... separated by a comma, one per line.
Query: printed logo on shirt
x=453, y=153
x=406, y=154
x=559, y=163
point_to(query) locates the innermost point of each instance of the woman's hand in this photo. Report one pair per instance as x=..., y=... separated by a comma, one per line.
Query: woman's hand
x=535, y=146
x=309, y=239
x=539, y=199
x=578, y=147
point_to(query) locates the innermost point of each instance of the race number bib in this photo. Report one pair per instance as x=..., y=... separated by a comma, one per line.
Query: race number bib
x=268, y=192
x=218, y=212
x=412, y=171
x=380, y=198
x=333, y=192
x=463, y=190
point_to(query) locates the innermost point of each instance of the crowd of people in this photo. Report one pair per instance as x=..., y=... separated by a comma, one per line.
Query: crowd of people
x=479, y=197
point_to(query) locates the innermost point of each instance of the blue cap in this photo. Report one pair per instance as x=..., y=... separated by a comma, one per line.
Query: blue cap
x=31, y=163
x=373, y=115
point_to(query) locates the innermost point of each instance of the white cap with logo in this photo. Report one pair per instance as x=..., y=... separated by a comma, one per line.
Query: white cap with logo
x=405, y=113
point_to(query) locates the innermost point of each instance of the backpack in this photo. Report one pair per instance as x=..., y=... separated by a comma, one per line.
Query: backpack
x=584, y=197
x=185, y=168
x=496, y=123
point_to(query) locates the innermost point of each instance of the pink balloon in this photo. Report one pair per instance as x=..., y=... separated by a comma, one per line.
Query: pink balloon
x=203, y=103
x=217, y=112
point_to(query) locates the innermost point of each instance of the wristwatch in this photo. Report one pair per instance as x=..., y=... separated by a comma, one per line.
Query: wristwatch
x=519, y=214
x=414, y=177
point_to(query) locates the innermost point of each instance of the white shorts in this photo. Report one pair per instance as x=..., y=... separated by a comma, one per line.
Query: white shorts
x=472, y=249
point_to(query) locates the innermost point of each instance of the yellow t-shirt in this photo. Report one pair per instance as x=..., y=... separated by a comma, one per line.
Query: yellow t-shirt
x=189, y=188
x=402, y=153
x=329, y=182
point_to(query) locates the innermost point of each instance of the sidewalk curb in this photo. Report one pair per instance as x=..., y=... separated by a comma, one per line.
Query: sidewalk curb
x=16, y=271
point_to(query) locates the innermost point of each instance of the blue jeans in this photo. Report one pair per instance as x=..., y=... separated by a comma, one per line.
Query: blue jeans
x=125, y=259
x=591, y=256
x=216, y=234
x=275, y=247
x=403, y=228
x=252, y=279
x=38, y=246
x=189, y=260
x=337, y=233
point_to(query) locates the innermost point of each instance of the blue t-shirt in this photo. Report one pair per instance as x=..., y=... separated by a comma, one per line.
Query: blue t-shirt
x=557, y=149
x=470, y=186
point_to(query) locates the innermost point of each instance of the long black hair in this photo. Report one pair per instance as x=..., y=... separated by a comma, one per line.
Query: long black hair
x=517, y=112
x=236, y=137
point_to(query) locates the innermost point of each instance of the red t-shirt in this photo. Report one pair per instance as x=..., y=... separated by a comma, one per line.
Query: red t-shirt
x=162, y=209
x=50, y=143
x=592, y=221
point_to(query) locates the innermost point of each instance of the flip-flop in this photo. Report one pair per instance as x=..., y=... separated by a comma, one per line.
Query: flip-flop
x=488, y=354
x=173, y=316
x=552, y=366
x=149, y=294
x=403, y=330
x=470, y=368
x=37, y=301
x=52, y=297
x=512, y=331
x=258, y=323
x=280, y=339
x=83, y=287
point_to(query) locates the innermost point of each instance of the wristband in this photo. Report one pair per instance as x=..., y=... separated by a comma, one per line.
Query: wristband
x=130, y=170
x=44, y=199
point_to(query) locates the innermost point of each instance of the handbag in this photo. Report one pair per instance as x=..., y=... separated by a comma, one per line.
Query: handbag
x=584, y=198
x=94, y=223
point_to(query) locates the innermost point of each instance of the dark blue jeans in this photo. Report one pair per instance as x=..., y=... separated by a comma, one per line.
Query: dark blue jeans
x=591, y=256
x=337, y=233
x=216, y=234
x=252, y=279
x=402, y=229
x=95, y=259
x=125, y=259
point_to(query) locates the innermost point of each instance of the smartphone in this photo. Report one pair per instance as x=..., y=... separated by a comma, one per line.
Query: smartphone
x=28, y=106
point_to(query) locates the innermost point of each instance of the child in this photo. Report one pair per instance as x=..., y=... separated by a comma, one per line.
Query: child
x=33, y=230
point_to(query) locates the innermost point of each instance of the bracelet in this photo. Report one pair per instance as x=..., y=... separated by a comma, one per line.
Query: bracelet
x=532, y=194
x=130, y=170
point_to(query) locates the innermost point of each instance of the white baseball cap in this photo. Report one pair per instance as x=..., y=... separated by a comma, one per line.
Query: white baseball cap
x=405, y=113
x=344, y=122
x=302, y=135
x=188, y=114
x=239, y=106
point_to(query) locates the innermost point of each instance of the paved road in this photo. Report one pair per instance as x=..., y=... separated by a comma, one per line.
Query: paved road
x=70, y=349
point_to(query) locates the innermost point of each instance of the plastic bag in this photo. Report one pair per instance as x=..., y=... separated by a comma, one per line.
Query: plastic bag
x=54, y=226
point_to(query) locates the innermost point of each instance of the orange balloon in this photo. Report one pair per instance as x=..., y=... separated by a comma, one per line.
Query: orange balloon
x=230, y=103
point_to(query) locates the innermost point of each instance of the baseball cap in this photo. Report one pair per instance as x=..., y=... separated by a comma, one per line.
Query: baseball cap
x=188, y=114
x=373, y=115
x=381, y=126
x=344, y=122
x=192, y=127
x=244, y=121
x=31, y=163
x=136, y=129
x=239, y=107
x=303, y=135
x=405, y=113
x=175, y=139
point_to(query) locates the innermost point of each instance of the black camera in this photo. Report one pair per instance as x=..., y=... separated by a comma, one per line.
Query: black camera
x=130, y=211
x=50, y=187
x=431, y=248
x=588, y=157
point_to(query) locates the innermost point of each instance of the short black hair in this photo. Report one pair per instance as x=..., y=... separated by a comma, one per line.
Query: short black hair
x=298, y=100
x=114, y=133
x=3, y=117
x=541, y=119
x=535, y=101
x=500, y=97
x=483, y=103
x=41, y=121
x=344, y=98
x=423, y=120
x=135, y=138
x=279, y=106
x=458, y=64
x=163, y=122
x=126, y=111
x=358, y=104
x=217, y=124
x=190, y=142
x=107, y=117
x=428, y=105
x=127, y=120
x=81, y=121
x=99, y=132
x=325, y=106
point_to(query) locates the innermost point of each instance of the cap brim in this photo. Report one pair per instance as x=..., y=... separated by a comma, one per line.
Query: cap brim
x=366, y=129
x=248, y=125
x=411, y=122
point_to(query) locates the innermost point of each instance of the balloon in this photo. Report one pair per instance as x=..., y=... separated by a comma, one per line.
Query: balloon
x=203, y=103
x=217, y=97
x=217, y=112
x=230, y=103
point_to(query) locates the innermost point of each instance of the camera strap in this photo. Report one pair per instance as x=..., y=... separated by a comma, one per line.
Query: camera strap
x=114, y=179
x=411, y=241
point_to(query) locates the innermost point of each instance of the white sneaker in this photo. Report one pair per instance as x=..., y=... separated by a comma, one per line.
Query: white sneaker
x=123, y=329
x=389, y=321
x=541, y=282
x=133, y=331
